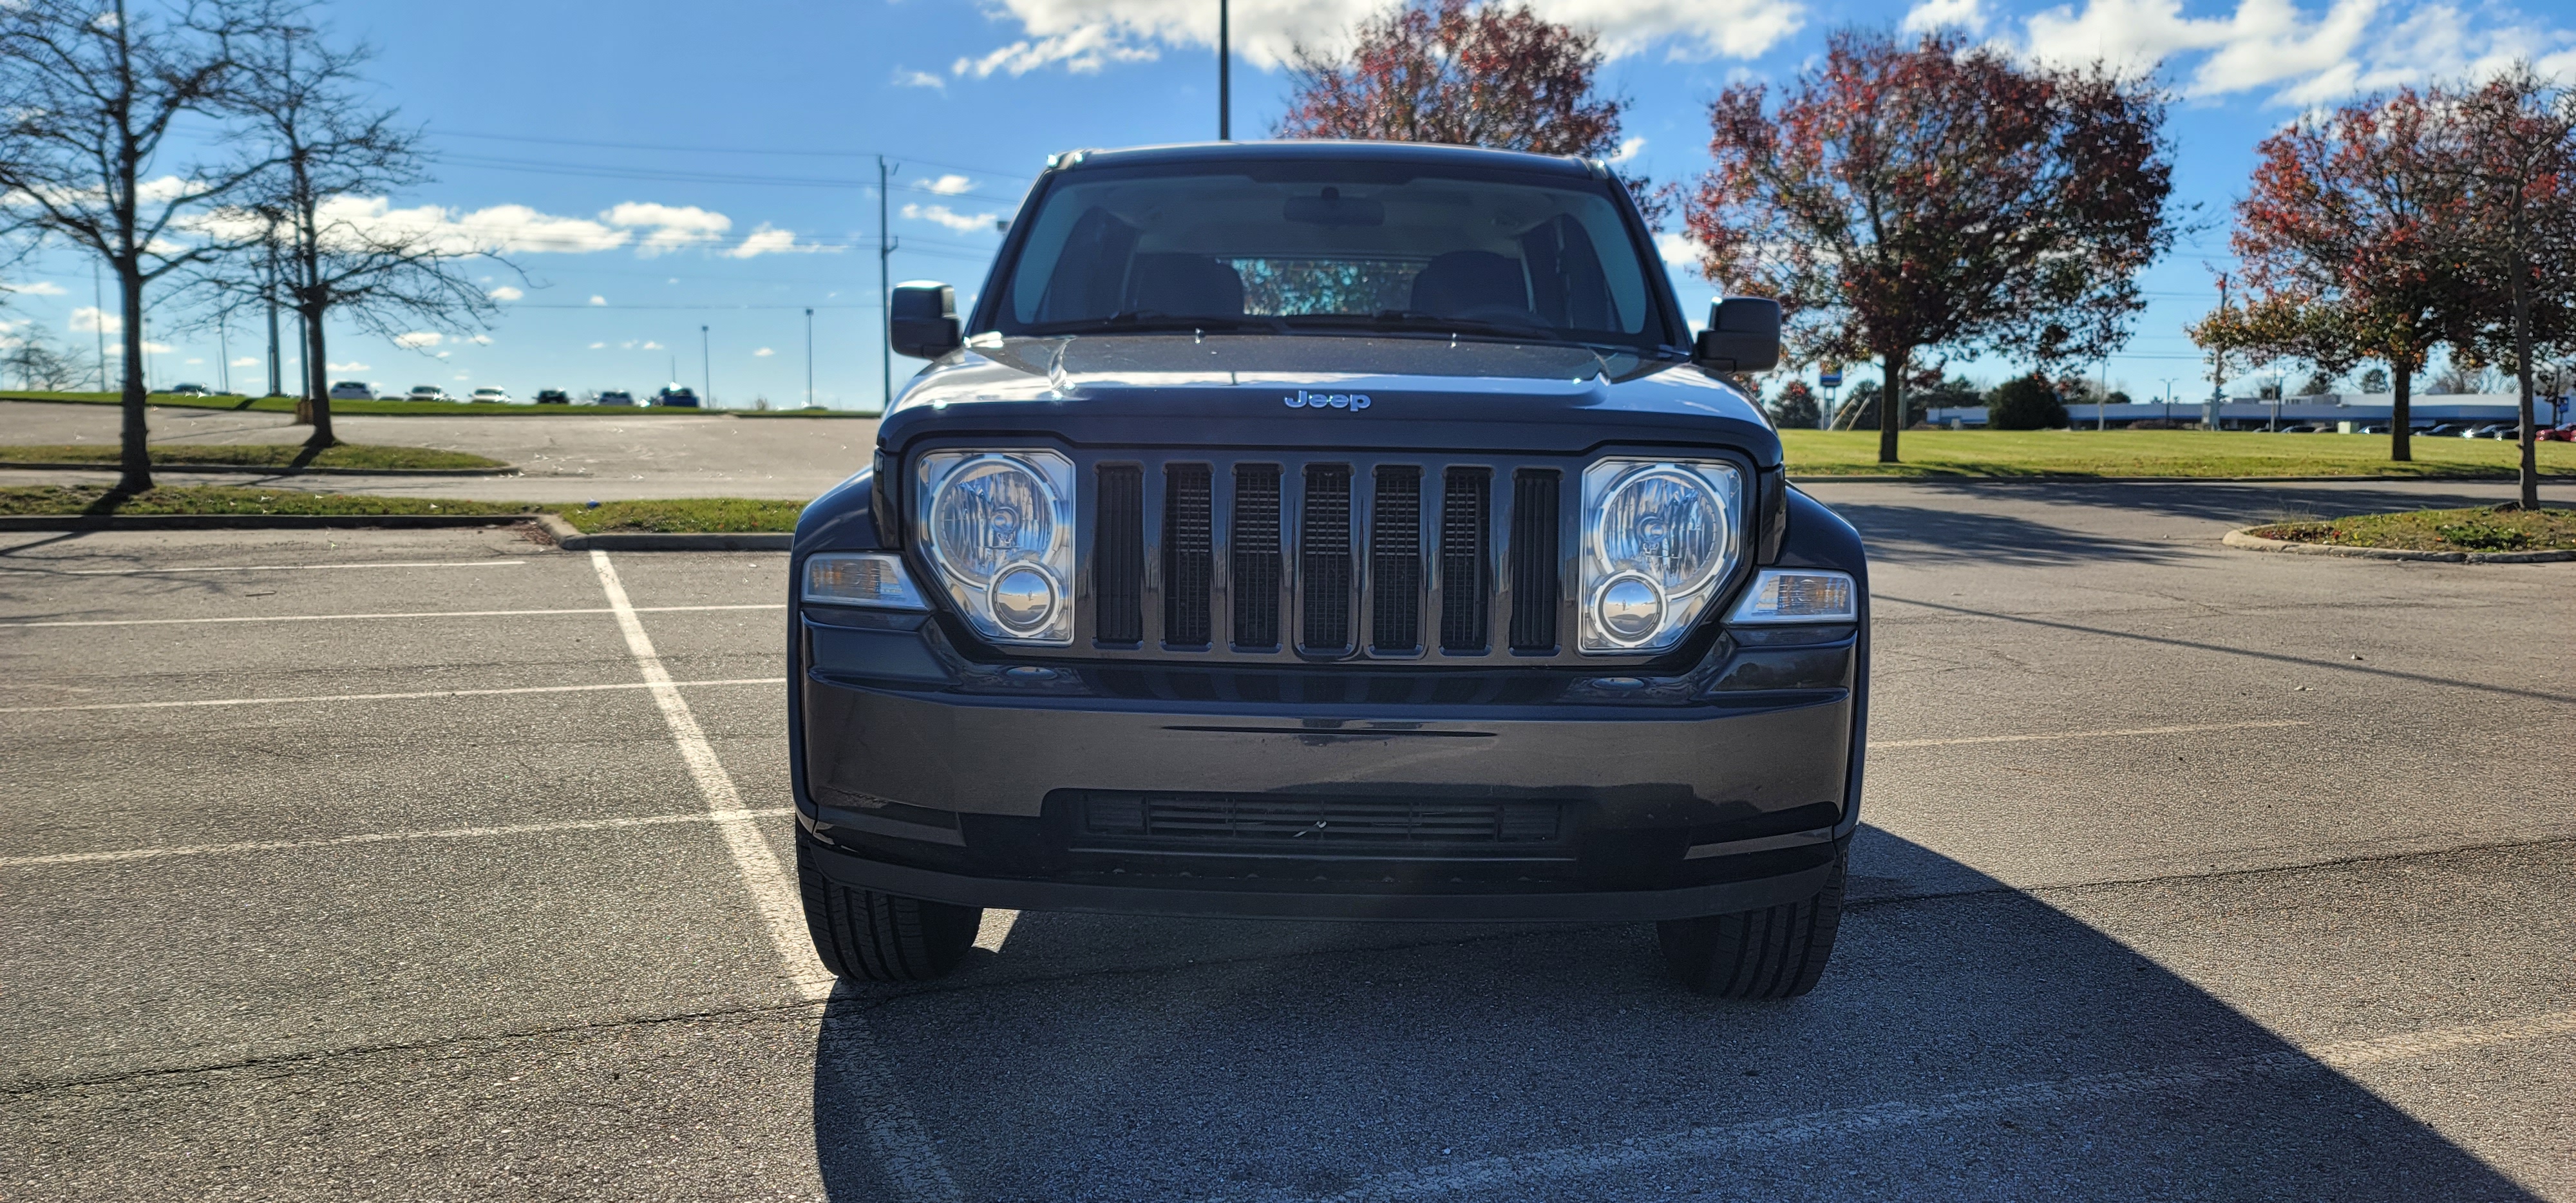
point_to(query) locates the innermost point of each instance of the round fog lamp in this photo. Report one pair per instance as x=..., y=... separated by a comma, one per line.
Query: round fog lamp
x=1630, y=608
x=1023, y=599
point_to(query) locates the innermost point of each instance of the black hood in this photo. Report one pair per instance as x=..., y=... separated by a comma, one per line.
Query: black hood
x=1311, y=391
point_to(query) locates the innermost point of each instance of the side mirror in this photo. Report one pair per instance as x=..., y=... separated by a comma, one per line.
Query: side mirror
x=921, y=319
x=1743, y=335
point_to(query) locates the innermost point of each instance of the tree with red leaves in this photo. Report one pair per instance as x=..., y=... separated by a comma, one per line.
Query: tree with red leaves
x=1939, y=196
x=2350, y=239
x=2514, y=162
x=1484, y=76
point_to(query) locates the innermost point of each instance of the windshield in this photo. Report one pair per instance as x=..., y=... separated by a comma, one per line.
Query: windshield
x=1336, y=248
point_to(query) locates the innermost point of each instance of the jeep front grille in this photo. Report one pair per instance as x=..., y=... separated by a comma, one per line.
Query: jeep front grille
x=1323, y=557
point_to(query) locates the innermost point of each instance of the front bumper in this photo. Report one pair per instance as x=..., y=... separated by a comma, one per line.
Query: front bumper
x=1719, y=797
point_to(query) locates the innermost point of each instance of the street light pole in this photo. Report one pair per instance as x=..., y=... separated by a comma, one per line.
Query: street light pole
x=1224, y=72
x=885, y=286
x=2169, y=383
x=809, y=359
x=706, y=369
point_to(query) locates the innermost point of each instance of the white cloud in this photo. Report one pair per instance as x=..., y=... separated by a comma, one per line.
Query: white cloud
x=505, y=293
x=1087, y=35
x=88, y=319
x=650, y=345
x=949, y=185
x=598, y=346
x=2302, y=55
x=918, y=79
x=481, y=340
x=943, y=215
x=152, y=348
x=1628, y=150
x=417, y=339
x=763, y=353
x=336, y=367
x=672, y=226
x=1969, y=15
x=249, y=361
x=1677, y=250
x=597, y=299
x=770, y=240
x=36, y=288
x=192, y=362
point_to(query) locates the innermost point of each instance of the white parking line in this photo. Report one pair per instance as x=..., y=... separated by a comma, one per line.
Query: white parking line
x=388, y=697
x=166, y=622
x=903, y=1145
x=262, y=567
x=1708, y=1145
x=2247, y=725
x=385, y=837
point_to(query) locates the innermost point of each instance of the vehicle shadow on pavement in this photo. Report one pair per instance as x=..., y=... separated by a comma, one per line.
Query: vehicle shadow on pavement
x=1969, y=1041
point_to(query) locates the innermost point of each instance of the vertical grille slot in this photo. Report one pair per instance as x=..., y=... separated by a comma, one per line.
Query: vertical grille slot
x=1189, y=561
x=1324, y=558
x=1118, y=556
x=1534, y=560
x=1466, y=586
x=1395, y=561
x=1255, y=556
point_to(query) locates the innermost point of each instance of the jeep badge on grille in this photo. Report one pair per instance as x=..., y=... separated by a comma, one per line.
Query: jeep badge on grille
x=1307, y=400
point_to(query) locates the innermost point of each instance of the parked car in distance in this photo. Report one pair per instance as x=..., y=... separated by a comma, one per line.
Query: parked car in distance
x=2440, y=430
x=427, y=392
x=676, y=397
x=490, y=396
x=2491, y=430
x=2556, y=434
x=2371, y=428
x=352, y=390
x=614, y=396
x=188, y=390
x=553, y=396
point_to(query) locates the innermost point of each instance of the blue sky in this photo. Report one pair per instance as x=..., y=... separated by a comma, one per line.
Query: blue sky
x=660, y=167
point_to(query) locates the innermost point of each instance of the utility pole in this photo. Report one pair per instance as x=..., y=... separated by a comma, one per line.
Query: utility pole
x=224, y=356
x=2102, y=401
x=885, y=287
x=809, y=359
x=1224, y=72
x=276, y=380
x=2169, y=383
x=2218, y=366
x=706, y=370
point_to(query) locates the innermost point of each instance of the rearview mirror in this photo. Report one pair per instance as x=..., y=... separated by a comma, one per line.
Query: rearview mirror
x=1743, y=335
x=921, y=319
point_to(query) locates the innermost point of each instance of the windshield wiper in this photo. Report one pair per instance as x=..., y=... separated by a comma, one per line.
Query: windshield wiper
x=1414, y=319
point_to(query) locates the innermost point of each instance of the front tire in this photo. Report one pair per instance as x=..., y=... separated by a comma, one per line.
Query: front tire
x=868, y=936
x=1773, y=953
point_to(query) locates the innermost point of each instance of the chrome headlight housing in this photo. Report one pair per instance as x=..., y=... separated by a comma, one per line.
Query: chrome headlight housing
x=997, y=528
x=1659, y=537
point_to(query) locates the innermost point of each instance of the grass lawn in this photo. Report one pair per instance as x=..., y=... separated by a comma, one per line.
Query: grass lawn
x=253, y=455
x=712, y=515
x=696, y=515
x=200, y=499
x=2183, y=453
x=417, y=409
x=2439, y=530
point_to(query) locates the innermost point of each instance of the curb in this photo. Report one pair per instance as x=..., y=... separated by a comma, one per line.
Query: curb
x=32, y=522
x=2251, y=542
x=570, y=538
x=260, y=470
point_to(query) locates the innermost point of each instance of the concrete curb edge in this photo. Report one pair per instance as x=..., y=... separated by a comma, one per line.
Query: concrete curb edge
x=83, y=522
x=571, y=538
x=2242, y=538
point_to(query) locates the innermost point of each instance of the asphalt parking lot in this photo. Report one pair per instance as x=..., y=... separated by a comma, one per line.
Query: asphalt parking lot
x=445, y=865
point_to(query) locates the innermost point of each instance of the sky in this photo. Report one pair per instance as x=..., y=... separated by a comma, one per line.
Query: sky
x=673, y=185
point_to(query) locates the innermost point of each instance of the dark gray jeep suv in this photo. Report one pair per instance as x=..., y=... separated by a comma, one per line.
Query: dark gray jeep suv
x=1328, y=530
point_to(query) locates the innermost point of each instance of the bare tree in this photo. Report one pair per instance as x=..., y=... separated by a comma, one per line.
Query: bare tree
x=320, y=154
x=37, y=365
x=88, y=93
